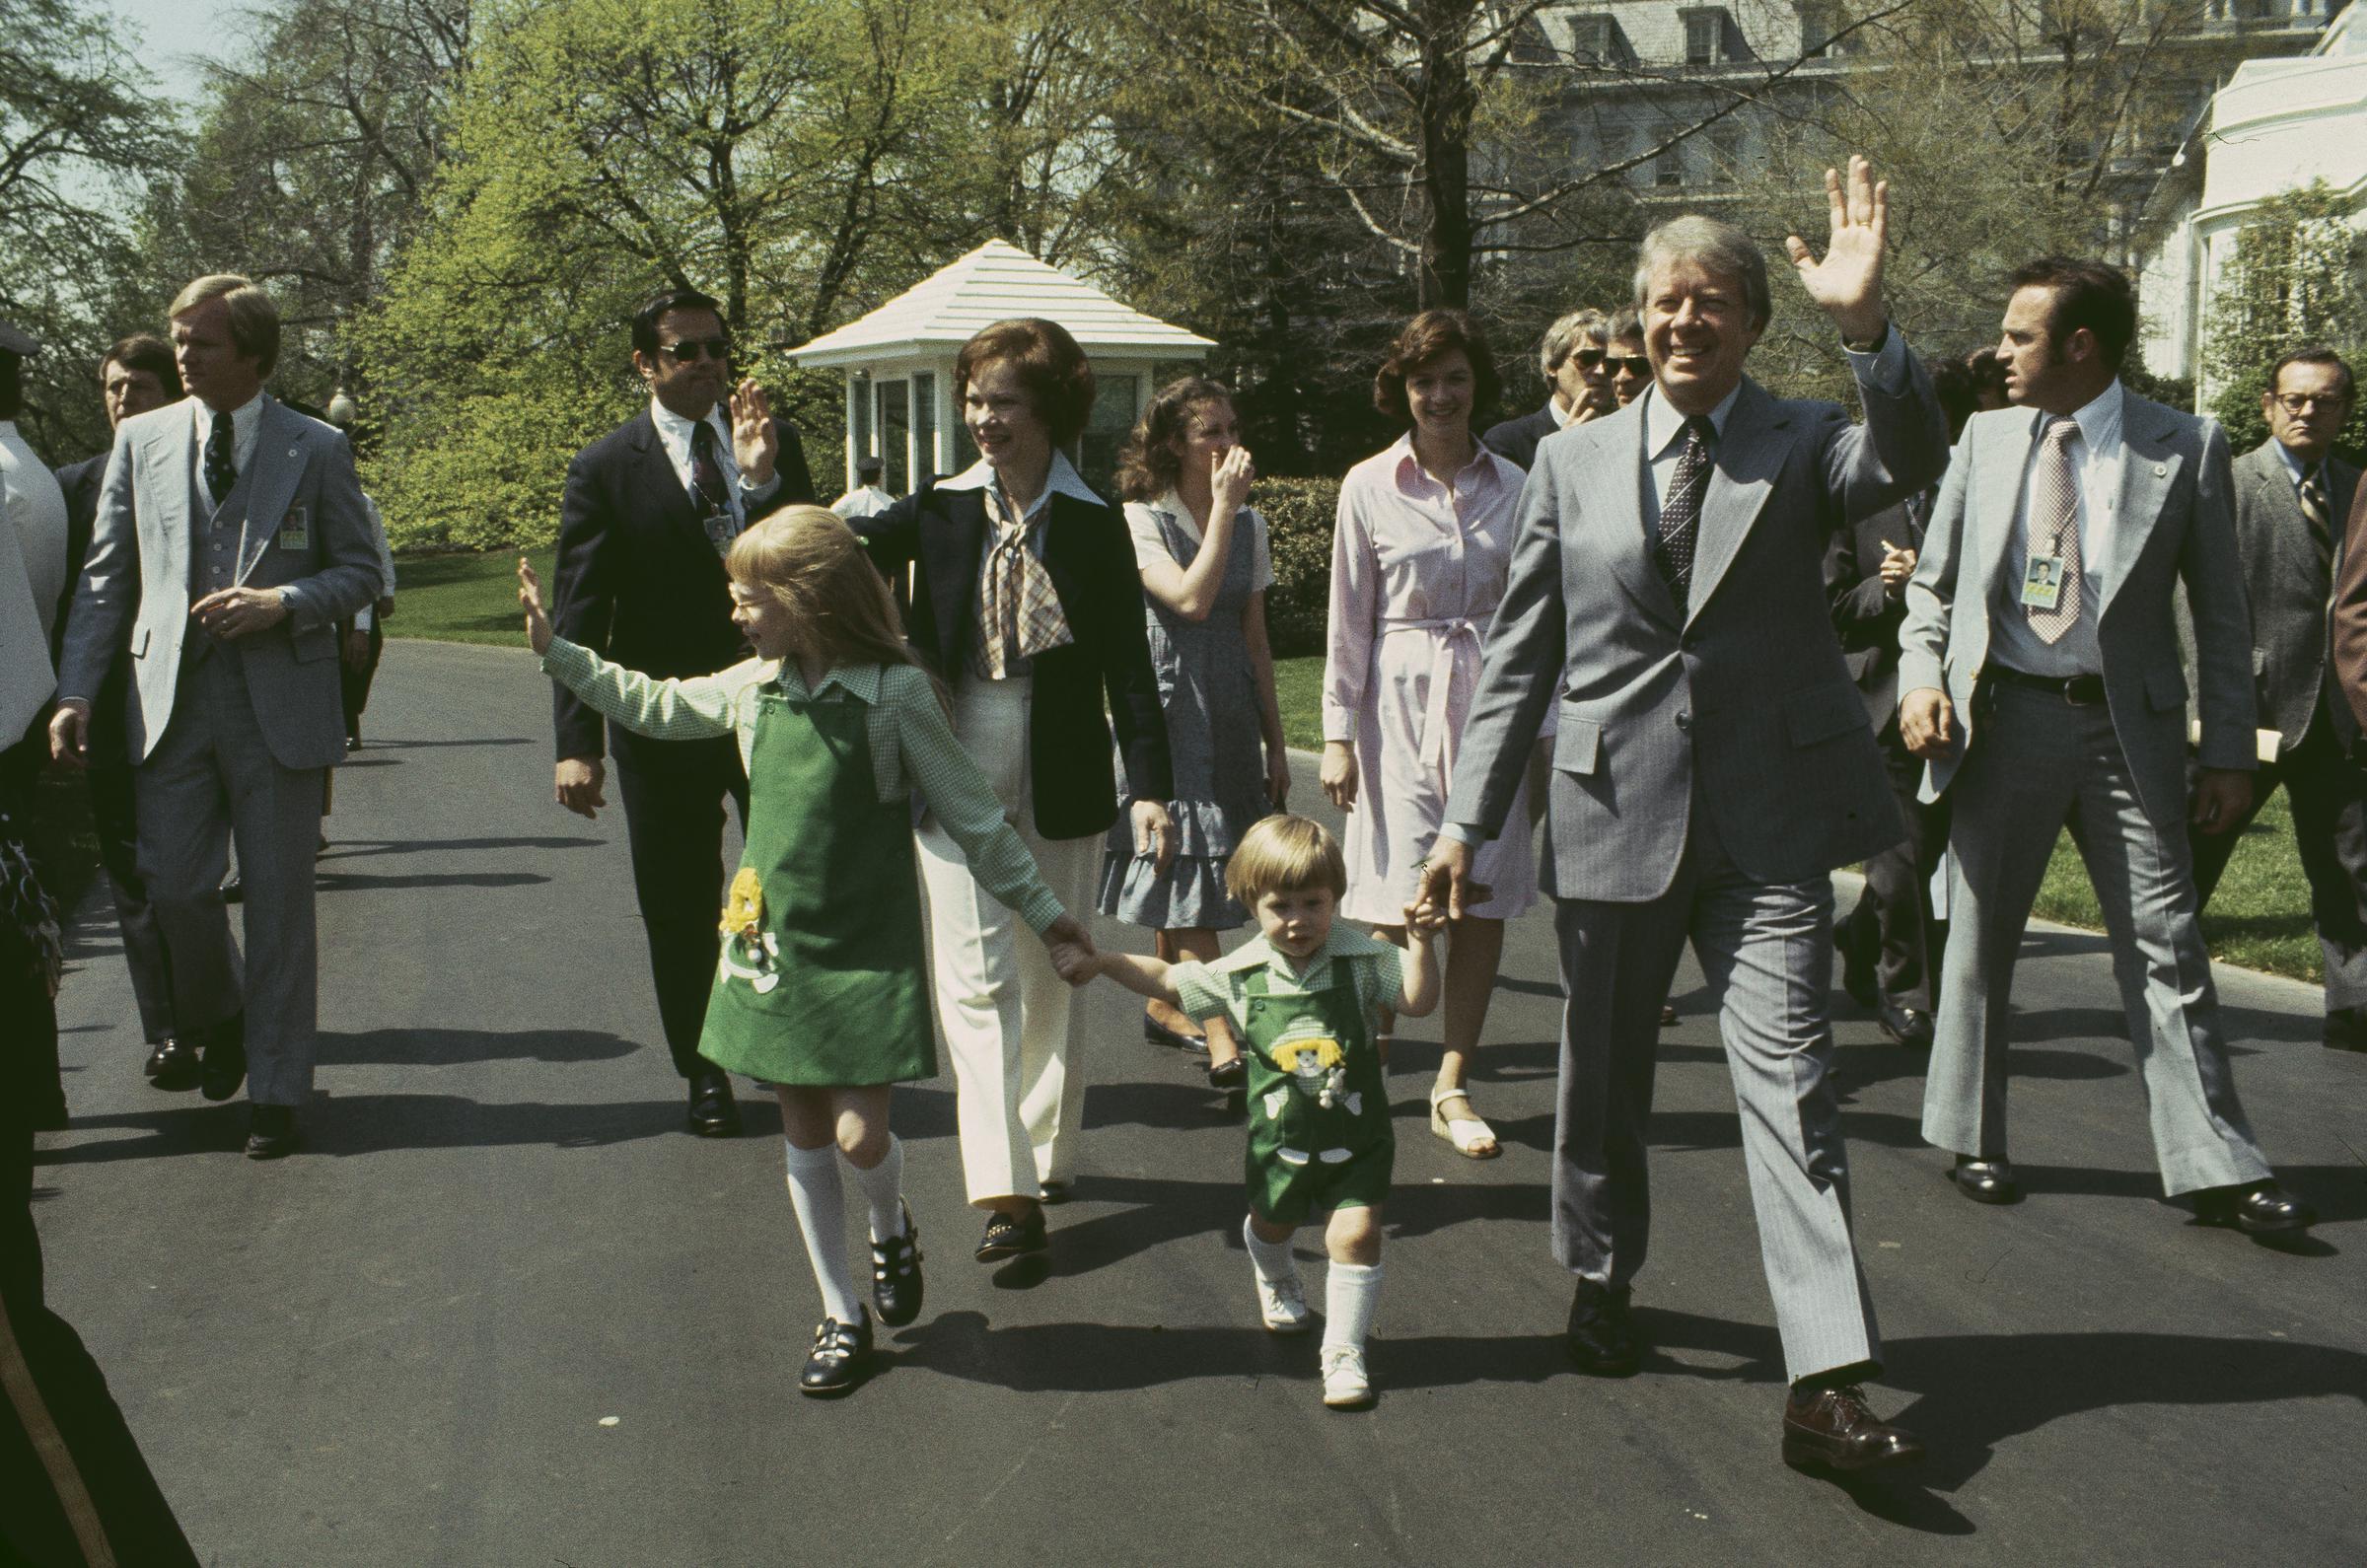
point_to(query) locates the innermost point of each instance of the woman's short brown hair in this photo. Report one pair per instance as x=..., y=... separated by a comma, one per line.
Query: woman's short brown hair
x=1282, y=853
x=1425, y=339
x=1052, y=367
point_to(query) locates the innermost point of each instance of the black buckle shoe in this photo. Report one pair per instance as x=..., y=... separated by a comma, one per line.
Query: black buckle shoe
x=172, y=1065
x=225, y=1064
x=1986, y=1181
x=270, y=1132
x=1228, y=1076
x=895, y=1274
x=1012, y=1236
x=1601, y=1334
x=1158, y=1034
x=713, y=1114
x=841, y=1356
x=2261, y=1209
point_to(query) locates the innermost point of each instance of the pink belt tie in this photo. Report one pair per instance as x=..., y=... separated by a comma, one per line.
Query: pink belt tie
x=1454, y=681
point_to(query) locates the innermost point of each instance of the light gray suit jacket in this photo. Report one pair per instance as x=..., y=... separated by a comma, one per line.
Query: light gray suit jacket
x=2290, y=625
x=1744, y=696
x=2175, y=522
x=134, y=589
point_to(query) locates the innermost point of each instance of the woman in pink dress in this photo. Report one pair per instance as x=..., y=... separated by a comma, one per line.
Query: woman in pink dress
x=1418, y=563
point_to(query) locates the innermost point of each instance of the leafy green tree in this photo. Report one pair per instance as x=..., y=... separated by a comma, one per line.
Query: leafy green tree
x=81, y=128
x=2298, y=277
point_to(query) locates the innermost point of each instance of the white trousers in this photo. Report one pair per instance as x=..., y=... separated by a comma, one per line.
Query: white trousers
x=1003, y=1012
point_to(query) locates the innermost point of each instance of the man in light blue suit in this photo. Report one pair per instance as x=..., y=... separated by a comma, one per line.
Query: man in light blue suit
x=231, y=538
x=2040, y=661
x=1711, y=764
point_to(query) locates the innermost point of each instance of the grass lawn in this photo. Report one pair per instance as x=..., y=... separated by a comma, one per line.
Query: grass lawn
x=2259, y=918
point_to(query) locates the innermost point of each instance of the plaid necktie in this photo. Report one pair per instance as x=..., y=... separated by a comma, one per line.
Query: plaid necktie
x=221, y=467
x=1681, y=514
x=2056, y=519
x=1019, y=609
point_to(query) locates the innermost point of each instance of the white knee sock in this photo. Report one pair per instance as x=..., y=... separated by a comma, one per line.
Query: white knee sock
x=820, y=1203
x=1349, y=1296
x=884, y=1189
x=1271, y=1260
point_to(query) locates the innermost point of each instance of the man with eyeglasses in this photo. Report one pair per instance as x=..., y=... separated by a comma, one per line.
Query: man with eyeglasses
x=2291, y=496
x=650, y=510
x=1572, y=361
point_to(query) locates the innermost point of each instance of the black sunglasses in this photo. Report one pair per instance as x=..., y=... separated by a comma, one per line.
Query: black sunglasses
x=690, y=348
x=1633, y=363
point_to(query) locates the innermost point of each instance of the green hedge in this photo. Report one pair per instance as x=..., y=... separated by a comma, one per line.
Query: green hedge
x=1299, y=515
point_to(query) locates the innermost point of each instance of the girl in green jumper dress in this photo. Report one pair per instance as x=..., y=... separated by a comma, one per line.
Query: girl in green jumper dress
x=821, y=989
x=1303, y=997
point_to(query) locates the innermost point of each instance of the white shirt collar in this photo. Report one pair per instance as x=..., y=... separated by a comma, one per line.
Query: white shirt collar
x=1663, y=424
x=2294, y=468
x=1062, y=476
x=1411, y=475
x=242, y=419
x=676, y=429
x=2100, y=418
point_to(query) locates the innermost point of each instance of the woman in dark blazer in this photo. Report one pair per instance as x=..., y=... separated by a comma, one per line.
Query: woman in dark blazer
x=1024, y=599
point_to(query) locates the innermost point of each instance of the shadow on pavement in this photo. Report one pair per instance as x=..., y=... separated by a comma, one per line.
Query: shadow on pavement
x=359, y=1125
x=357, y=848
x=354, y=881
x=378, y=743
x=448, y=1047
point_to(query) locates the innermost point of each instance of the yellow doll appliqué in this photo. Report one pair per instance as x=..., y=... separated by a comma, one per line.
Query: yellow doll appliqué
x=748, y=950
x=1317, y=1063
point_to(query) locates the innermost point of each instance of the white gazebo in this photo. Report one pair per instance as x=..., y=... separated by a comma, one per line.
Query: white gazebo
x=900, y=361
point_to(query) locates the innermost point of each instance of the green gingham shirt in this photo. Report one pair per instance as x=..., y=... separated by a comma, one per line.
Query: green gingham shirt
x=912, y=747
x=1377, y=969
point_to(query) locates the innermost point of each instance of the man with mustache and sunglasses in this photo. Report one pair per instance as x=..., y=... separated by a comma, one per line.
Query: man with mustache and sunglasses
x=650, y=509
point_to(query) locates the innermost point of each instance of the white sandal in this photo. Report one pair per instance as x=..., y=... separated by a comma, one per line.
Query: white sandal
x=1463, y=1132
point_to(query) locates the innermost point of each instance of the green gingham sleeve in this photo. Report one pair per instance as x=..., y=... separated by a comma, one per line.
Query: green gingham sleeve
x=699, y=707
x=1380, y=978
x=967, y=807
x=1200, y=991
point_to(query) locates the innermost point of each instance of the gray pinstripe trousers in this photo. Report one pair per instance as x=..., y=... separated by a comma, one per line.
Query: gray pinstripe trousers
x=1766, y=950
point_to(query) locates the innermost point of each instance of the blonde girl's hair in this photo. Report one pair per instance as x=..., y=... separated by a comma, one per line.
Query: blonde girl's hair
x=809, y=561
x=1284, y=854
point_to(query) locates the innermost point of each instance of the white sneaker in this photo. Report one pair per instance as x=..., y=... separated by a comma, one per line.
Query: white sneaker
x=1282, y=1303
x=1345, y=1386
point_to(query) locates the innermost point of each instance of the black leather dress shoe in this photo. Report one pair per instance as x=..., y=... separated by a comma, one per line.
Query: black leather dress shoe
x=1231, y=1075
x=1986, y=1181
x=1159, y=1033
x=224, y=1066
x=713, y=1114
x=1667, y=1014
x=1012, y=1236
x=1830, y=1429
x=270, y=1132
x=1601, y=1334
x=234, y=889
x=1908, y=1025
x=172, y=1065
x=2346, y=1029
x=2261, y=1209
x=841, y=1356
x=896, y=1276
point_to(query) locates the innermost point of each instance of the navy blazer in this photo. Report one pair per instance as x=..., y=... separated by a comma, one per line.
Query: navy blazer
x=1515, y=440
x=639, y=582
x=1090, y=558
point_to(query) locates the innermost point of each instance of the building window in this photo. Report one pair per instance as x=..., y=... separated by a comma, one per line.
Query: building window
x=895, y=434
x=924, y=429
x=1595, y=40
x=1702, y=40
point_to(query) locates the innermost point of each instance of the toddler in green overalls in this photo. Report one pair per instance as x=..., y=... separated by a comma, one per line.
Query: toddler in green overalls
x=1302, y=997
x=821, y=990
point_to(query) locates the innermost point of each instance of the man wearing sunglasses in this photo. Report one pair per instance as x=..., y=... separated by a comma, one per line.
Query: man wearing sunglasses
x=650, y=509
x=1570, y=357
x=2291, y=495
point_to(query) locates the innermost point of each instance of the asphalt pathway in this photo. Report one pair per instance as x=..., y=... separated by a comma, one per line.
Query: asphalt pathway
x=502, y=1309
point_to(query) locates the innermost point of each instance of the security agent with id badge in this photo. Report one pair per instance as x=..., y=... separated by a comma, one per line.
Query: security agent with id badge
x=649, y=510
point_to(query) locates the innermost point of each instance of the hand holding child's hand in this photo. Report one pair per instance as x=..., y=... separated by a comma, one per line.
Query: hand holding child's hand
x=1073, y=957
x=530, y=599
x=1425, y=914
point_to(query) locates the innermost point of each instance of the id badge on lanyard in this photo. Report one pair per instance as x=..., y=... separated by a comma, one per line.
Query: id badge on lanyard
x=2043, y=581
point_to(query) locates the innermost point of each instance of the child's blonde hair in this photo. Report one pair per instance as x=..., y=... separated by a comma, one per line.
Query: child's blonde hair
x=1284, y=853
x=810, y=560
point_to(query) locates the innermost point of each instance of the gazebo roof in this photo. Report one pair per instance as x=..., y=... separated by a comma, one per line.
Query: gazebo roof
x=992, y=282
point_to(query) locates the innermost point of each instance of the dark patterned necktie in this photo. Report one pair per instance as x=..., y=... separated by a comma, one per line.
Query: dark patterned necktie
x=1680, y=513
x=2313, y=512
x=713, y=493
x=221, y=470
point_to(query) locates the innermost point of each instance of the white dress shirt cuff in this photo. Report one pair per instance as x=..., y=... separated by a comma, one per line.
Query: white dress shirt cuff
x=757, y=494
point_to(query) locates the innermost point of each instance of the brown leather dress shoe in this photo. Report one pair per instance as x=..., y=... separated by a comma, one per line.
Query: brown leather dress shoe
x=1831, y=1429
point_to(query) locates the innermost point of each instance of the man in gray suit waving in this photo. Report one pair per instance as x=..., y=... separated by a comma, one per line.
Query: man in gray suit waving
x=2291, y=494
x=231, y=538
x=2039, y=658
x=1711, y=766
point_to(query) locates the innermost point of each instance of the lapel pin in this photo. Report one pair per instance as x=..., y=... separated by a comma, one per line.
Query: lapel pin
x=292, y=452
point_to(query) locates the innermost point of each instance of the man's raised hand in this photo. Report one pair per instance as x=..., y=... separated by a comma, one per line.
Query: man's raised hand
x=1846, y=284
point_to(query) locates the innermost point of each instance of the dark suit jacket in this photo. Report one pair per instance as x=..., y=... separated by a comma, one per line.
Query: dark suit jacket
x=81, y=482
x=2350, y=610
x=1867, y=617
x=1091, y=560
x=639, y=582
x=2291, y=637
x=1515, y=440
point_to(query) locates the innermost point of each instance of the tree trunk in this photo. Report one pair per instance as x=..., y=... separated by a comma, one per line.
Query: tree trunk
x=1445, y=104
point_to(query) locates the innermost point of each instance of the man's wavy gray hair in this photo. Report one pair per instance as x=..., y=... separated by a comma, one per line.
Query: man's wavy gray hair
x=1718, y=246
